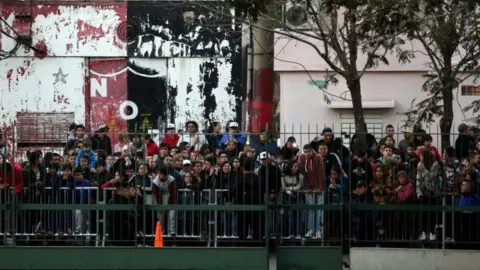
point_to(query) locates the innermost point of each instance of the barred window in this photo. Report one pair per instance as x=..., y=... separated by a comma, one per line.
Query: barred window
x=374, y=126
x=470, y=90
x=43, y=128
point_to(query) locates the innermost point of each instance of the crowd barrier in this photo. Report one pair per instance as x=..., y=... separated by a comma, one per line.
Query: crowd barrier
x=290, y=219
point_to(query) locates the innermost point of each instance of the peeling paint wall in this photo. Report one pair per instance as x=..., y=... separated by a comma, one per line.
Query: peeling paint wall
x=203, y=70
x=71, y=30
x=33, y=85
x=121, y=64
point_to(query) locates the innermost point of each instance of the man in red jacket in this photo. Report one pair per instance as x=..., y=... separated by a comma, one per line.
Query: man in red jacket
x=152, y=147
x=427, y=145
x=312, y=167
x=9, y=174
x=172, y=137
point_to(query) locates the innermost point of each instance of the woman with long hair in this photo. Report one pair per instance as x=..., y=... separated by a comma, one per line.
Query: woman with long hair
x=292, y=182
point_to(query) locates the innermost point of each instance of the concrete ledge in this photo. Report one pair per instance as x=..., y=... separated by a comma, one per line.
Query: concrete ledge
x=134, y=258
x=411, y=259
x=309, y=258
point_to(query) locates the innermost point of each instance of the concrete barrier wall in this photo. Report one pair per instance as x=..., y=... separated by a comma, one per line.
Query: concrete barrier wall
x=412, y=259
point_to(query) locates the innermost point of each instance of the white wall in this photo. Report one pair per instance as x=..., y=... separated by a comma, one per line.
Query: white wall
x=29, y=84
x=410, y=259
x=303, y=108
x=299, y=52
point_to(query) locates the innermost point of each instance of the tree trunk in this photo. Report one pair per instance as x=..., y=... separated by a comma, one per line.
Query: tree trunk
x=360, y=126
x=447, y=118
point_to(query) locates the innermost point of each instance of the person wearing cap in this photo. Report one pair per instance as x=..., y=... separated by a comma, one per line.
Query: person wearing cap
x=271, y=173
x=464, y=142
x=233, y=134
x=172, y=137
x=193, y=137
x=101, y=141
x=187, y=167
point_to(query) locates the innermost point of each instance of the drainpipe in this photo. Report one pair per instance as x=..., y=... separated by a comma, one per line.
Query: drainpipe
x=261, y=99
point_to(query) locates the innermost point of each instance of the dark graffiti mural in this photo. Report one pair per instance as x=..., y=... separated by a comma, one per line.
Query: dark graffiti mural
x=172, y=29
x=198, y=54
x=147, y=88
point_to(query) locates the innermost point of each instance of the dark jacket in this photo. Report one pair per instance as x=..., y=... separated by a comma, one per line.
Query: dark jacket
x=360, y=172
x=248, y=190
x=99, y=143
x=274, y=177
x=463, y=146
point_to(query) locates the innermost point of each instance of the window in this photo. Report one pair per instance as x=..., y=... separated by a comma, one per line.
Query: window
x=470, y=90
x=43, y=128
x=374, y=125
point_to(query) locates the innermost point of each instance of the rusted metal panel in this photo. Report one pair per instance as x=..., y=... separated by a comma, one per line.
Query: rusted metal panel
x=43, y=128
x=107, y=93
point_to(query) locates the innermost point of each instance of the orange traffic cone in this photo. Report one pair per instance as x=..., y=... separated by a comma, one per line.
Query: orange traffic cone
x=158, y=236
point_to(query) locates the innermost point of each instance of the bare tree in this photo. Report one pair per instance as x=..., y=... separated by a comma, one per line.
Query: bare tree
x=340, y=32
x=449, y=33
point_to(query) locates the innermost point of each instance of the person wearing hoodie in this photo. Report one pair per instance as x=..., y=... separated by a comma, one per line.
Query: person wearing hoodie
x=334, y=145
x=428, y=188
x=86, y=151
x=403, y=194
x=312, y=167
x=165, y=191
x=464, y=142
x=152, y=147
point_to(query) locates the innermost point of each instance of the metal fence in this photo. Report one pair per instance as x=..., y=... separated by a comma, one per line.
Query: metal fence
x=258, y=206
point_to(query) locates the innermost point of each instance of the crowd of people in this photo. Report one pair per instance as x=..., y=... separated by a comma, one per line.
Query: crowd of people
x=221, y=165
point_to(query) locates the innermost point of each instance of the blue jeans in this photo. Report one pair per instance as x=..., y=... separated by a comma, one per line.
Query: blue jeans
x=314, y=217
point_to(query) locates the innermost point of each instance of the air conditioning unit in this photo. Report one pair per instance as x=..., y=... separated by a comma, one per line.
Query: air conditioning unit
x=298, y=15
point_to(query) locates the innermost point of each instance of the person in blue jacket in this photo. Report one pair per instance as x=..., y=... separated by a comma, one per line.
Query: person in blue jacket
x=233, y=133
x=81, y=196
x=266, y=145
x=86, y=151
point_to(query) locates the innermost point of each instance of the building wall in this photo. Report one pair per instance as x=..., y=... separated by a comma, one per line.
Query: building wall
x=302, y=104
x=293, y=51
x=303, y=108
x=129, y=65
